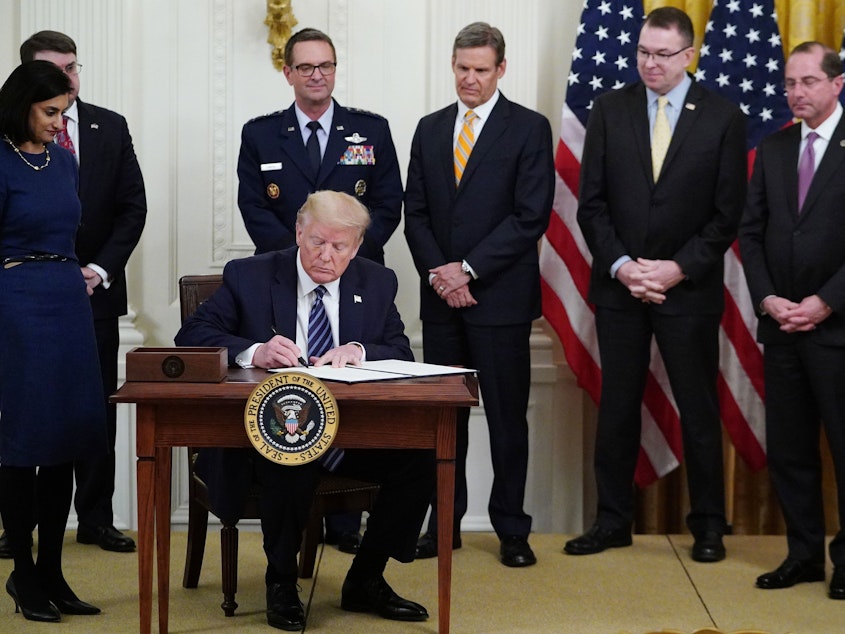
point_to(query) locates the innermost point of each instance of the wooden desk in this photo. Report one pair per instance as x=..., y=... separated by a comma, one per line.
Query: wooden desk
x=410, y=414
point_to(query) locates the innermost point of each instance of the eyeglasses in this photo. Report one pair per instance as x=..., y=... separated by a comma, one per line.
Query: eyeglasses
x=74, y=68
x=658, y=57
x=807, y=82
x=306, y=70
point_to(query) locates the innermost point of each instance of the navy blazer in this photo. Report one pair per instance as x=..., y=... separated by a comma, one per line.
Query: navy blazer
x=114, y=204
x=493, y=220
x=796, y=255
x=690, y=215
x=259, y=293
x=275, y=176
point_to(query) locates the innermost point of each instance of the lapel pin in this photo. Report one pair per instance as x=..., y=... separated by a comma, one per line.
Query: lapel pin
x=689, y=106
x=95, y=126
x=339, y=127
x=842, y=143
x=291, y=129
x=356, y=138
x=357, y=299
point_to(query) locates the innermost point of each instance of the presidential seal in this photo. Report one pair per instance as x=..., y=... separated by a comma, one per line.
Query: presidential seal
x=291, y=418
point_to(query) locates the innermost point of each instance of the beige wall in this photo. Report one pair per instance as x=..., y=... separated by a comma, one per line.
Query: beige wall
x=188, y=73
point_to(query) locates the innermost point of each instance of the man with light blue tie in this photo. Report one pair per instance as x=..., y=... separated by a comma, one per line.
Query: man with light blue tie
x=268, y=314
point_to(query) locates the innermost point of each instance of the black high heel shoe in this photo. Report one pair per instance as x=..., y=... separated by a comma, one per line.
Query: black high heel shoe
x=65, y=599
x=75, y=606
x=47, y=613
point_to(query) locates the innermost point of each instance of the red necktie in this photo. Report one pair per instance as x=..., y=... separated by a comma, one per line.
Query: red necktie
x=63, y=138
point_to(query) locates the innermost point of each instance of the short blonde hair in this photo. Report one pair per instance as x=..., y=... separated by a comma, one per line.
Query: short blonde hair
x=335, y=209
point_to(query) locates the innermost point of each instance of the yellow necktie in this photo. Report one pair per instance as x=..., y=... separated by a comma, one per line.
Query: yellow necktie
x=463, y=147
x=660, y=137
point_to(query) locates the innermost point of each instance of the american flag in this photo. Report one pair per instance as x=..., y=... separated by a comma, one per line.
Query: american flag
x=605, y=58
x=742, y=58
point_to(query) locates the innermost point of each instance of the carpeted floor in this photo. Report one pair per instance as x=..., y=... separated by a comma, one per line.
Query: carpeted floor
x=650, y=586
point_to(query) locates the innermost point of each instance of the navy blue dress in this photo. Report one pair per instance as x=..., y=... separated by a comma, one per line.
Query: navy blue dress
x=52, y=407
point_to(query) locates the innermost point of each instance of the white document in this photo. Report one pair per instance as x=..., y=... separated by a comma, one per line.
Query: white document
x=384, y=370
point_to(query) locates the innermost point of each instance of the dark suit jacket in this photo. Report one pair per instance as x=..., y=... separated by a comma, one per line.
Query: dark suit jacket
x=689, y=215
x=270, y=196
x=493, y=220
x=791, y=255
x=259, y=292
x=114, y=205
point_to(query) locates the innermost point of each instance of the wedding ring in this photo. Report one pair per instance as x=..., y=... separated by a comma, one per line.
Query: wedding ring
x=442, y=288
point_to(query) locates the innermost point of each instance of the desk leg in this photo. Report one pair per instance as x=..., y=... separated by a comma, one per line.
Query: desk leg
x=146, y=497
x=162, y=522
x=446, y=438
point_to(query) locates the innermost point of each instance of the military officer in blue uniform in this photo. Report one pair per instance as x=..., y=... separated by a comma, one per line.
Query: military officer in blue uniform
x=316, y=144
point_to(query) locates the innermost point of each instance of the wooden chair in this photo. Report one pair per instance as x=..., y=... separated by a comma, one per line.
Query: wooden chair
x=334, y=494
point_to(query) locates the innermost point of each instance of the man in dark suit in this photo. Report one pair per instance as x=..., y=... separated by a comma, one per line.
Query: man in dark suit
x=472, y=225
x=792, y=238
x=662, y=188
x=114, y=210
x=275, y=292
x=354, y=153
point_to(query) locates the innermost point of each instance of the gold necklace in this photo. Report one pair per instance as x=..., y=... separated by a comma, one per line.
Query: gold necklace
x=17, y=150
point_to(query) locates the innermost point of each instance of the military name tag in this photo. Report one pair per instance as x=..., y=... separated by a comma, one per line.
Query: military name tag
x=291, y=418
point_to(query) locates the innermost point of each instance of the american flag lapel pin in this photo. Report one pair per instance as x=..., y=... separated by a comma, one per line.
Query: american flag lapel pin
x=357, y=299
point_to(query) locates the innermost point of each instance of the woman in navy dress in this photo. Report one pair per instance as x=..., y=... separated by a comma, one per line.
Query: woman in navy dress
x=51, y=401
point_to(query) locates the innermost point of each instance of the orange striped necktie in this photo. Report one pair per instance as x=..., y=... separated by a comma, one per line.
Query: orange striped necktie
x=463, y=147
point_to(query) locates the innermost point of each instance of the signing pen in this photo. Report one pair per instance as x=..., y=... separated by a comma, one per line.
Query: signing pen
x=302, y=361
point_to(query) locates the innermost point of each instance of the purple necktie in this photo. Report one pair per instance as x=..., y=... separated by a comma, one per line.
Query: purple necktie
x=806, y=169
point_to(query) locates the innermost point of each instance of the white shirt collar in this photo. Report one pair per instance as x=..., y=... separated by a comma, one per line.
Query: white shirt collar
x=827, y=127
x=482, y=111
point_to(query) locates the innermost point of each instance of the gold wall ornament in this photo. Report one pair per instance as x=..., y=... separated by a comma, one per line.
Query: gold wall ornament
x=280, y=20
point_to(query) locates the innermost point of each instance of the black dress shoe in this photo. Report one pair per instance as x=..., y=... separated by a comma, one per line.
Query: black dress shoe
x=837, y=583
x=349, y=543
x=5, y=549
x=427, y=545
x=284, y=609
x=106, y=537
x=33, y=608
x=515, y=552
x=598, y=539
x=790, y=572
x=708, y=547
x=375, y=596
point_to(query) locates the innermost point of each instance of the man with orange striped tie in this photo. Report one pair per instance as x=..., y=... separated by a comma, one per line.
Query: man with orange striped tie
x=478, y=198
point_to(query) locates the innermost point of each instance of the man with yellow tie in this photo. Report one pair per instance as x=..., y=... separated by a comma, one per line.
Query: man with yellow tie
x=663, y=182
x=478, y=198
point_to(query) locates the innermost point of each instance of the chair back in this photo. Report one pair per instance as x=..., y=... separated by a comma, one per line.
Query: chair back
x=194, y=290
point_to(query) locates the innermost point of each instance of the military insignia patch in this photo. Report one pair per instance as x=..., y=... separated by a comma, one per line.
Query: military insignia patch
x=273, y=191
x=291, y=418
x=358, y=155
x=360, y=188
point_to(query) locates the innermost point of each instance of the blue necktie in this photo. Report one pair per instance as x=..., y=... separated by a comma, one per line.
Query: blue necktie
x=319, y=343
